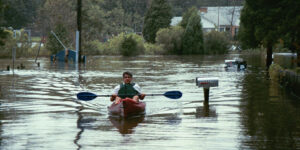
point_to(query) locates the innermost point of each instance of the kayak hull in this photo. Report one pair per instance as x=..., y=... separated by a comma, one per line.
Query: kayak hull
x=127, y=108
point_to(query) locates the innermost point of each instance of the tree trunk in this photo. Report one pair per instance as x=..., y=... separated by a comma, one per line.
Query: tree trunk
x=269, y=55
x=298, y=58
x=79, y=5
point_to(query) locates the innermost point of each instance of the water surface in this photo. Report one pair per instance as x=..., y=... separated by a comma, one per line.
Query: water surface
x=39, y=109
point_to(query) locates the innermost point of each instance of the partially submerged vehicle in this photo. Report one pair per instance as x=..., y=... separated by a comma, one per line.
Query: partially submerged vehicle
x=235, y=64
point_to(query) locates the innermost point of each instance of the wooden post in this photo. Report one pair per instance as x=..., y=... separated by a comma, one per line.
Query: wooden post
x=206, y=95
x=13, y=58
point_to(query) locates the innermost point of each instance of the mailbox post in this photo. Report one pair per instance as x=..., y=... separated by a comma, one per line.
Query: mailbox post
x=206, y=83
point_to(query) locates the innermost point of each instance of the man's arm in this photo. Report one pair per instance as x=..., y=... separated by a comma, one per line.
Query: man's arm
x=115, y=93
x=138, y=89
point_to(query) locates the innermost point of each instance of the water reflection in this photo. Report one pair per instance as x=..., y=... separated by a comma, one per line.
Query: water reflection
x=270, y=121
x=205, y=111
x=173, y=119
x=80, y=126
x=126, y=125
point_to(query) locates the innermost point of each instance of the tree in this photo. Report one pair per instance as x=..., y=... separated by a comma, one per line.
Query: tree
x=261, y=18
x=158, y=16
x=186, y=16
x=52, y=44
x=3, y=34
x=55, y=12
x=192, y=42
x=121, y=16
x=20, y=13
x=247, y=28
x=290, y=26
x=180, y=6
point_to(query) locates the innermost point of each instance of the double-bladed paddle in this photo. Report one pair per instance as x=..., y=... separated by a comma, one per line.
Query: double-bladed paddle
x=87, y=96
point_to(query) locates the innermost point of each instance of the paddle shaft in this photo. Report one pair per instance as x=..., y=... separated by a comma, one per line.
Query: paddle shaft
x=138, y=95
x=89, y=96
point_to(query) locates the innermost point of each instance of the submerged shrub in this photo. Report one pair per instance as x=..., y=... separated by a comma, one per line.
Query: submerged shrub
x=276, y=73
x=154, y=49
x=170, y=39
x=215, y=43
x=129, y=47
x=116, y=45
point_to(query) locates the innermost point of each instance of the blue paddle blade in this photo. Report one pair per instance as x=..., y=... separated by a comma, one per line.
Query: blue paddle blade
x=173, y=94
x=86, y=96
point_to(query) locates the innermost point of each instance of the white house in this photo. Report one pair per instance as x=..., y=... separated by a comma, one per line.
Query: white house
x=217, y=18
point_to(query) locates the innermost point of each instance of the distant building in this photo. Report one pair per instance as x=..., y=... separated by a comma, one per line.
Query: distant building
x=218, y=18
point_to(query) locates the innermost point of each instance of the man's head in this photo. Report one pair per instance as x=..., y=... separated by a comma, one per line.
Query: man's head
x=127, y=77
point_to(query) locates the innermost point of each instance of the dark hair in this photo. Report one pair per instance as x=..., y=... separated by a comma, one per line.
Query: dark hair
x=127, y=73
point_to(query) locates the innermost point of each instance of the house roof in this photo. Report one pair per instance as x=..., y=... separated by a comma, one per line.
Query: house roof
x=223, y=15
x=213, y=15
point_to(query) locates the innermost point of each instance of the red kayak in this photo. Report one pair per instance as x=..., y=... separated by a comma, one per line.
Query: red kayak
x=127, y=108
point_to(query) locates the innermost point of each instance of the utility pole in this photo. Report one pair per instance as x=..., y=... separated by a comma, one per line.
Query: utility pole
x=79, y=5
x=218, y=17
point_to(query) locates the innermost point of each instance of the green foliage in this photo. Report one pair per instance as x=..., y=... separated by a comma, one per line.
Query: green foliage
x=129, y=47
x=259, y=24
x=192, y=42
x=122, y=16
x=154, y=49
x=158, y=16
x=186, y=16
x=216, y=43
x=290, y=25
x=52, y=44
x=23, y=44
x=94, y=47
x=2, y=33
x=20, y=13
x=123, y=42
x=20, y=42
x=276, y=73
x=2, y=36
x=10, y=42
x=170, y=39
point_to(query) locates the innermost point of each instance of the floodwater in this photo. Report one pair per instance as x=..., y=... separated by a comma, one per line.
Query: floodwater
x=39, y=109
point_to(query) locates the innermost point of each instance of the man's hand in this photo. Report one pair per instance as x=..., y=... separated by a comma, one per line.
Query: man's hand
x=142, y=96
x=113, y=97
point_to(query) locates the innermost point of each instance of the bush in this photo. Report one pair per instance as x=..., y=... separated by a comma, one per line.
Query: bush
x=20, y=42
x=94, y=47
x=9, y=43
x=216, y=43
x=114, y=45
x=129, y=47
x=154, y=49
x=276, y=73
x=170, y=39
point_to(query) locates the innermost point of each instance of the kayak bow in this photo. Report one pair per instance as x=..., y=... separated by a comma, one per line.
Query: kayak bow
x=127, y=108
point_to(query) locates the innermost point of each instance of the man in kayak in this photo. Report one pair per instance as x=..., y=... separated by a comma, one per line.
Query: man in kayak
x=127, y=90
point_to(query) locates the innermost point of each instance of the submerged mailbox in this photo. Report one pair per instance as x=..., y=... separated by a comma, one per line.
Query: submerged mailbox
x=207, y=82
